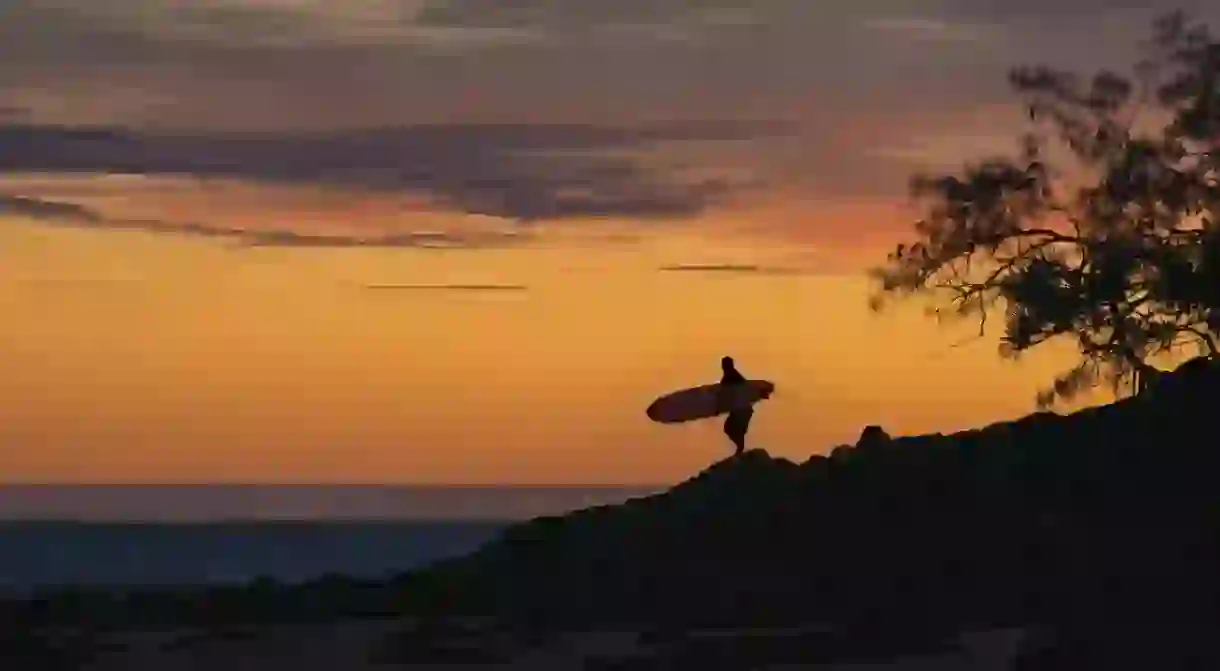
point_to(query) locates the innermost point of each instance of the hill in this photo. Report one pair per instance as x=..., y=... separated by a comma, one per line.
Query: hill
x=1109, y=511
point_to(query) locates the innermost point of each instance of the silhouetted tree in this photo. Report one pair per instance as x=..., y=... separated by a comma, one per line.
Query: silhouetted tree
x=1104, y=227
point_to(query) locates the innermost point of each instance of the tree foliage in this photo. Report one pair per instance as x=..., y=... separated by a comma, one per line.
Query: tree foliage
x=1105, y=226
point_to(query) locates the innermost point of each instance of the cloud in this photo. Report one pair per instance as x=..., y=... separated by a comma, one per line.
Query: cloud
x=47, y=210
x=527, y=172
x=13, y=113
x=71, y=214
x=624, y=22
x=1047, y=12
x=418, y=240
x=290, y=238
x=947, y=151
x=282, y=63
x=75, y=282
x=446, y=287
x=324, y=24
x=733, y=269
x=936, y=30
x=586, y=13
x=268, y=23
x=305, y=64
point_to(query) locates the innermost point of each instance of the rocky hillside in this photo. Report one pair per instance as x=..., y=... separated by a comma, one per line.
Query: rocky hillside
x=1112, y=510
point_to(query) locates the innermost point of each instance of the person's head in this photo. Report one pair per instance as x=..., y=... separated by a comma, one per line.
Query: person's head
x=726, y=363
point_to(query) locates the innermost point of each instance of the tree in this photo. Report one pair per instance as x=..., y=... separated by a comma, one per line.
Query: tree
x=1104, y=227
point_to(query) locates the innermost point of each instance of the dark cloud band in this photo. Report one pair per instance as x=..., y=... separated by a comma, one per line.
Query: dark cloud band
x=732, y=269
x=528, y=172
x=71, y=214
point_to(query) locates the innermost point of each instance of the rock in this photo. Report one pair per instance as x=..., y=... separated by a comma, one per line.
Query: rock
x=873, y=437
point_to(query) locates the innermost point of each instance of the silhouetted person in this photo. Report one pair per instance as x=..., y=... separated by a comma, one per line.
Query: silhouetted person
x=738, y=422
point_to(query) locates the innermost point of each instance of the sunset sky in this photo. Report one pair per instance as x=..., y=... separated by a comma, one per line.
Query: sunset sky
x=468, y=241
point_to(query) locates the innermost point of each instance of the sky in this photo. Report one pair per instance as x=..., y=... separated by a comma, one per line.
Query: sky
x=468, y=241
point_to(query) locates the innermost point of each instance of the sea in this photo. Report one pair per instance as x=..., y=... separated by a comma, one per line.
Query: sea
x=115, y=535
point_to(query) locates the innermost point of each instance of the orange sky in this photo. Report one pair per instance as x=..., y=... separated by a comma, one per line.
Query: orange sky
x=234, y=344
x=131, y=356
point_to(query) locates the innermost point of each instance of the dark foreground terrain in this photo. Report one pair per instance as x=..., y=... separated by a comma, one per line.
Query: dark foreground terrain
x=1097, y=534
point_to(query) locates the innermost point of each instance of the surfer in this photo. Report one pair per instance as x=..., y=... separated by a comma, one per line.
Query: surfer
x=738, y=421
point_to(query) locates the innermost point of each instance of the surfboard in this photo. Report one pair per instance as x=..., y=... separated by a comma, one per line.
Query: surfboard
x=700, y=402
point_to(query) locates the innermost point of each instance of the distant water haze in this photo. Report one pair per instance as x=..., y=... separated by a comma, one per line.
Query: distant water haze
x=211, y=503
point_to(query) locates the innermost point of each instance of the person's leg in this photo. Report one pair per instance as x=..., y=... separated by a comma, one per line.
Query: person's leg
x=736, y=426
x=739, y=441
x=743, y=427
x=730, y=430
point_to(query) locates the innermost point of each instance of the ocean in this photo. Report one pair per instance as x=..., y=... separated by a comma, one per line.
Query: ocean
x=166, y=535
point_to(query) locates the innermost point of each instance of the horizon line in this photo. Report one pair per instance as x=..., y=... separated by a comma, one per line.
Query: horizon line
x=367, y=485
